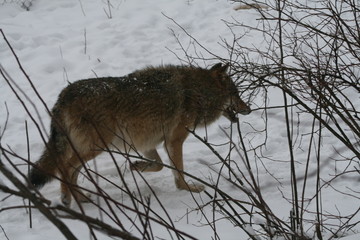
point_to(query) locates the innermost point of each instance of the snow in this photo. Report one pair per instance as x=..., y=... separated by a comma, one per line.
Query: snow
x=63, y=41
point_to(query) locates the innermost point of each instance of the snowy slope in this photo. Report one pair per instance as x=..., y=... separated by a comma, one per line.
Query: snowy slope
x=63, y=41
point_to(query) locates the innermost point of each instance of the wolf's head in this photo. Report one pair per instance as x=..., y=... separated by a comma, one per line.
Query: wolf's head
x=234, y=104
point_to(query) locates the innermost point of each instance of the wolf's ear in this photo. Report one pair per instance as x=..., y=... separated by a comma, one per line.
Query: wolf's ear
x=220, y=68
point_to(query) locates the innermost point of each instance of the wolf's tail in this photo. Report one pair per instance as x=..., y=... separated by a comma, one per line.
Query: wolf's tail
x=39, y=176
x=46, y=167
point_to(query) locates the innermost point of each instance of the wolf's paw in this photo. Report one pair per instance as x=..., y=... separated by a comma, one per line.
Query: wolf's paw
x=66, y=199
x=196, y=187
x=139, y=166
x=83, y=197
x=79, y=196
x=146, y=166
x=192, y=187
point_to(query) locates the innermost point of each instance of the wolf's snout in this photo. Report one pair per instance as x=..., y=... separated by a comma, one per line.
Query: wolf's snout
x=245, y=111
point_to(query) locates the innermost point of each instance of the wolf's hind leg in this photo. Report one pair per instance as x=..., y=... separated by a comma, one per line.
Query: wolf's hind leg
x=149, y=166
x=77, y=193
x=70, y=188
x=65, y=186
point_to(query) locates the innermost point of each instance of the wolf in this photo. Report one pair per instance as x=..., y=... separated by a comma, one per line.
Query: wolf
x=138, y=111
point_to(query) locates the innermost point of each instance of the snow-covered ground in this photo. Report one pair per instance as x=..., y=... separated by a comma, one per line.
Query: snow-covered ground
x=63, y=41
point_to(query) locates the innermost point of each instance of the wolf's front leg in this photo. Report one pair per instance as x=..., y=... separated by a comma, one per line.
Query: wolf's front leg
x=174, y=148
